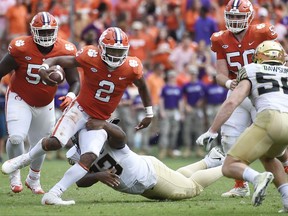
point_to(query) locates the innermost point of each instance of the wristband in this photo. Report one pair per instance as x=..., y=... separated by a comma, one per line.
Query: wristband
x=71, y=95
x=44, y=66
x=228, y=83
x=149, y=111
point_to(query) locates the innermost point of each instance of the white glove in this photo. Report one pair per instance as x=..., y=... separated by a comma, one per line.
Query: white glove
x=206, y=140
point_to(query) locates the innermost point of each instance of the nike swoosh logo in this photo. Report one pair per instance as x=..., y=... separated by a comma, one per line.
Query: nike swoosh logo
x=217, y=158
x=251, y=43
x=122, y=78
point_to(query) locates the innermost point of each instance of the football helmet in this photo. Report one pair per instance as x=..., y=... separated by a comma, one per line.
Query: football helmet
x=114, y=46
x=269, y=51
x=44, y=29
x=238, y=15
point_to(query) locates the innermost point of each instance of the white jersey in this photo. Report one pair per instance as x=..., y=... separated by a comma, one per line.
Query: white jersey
x=136, y=172
x=269, y=86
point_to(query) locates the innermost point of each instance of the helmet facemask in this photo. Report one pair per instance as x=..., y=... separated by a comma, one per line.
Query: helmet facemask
x=237, y=21
x=44, y=37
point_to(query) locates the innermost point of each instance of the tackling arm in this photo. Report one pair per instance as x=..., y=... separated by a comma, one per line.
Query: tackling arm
x=235, y=99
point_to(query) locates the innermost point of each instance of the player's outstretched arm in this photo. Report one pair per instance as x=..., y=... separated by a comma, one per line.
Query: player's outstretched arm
x=146, y=100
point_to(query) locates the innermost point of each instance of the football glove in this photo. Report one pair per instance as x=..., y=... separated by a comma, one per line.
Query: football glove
x=206, y=140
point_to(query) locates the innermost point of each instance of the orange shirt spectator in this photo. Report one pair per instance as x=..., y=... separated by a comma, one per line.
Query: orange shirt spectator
x=17, y=16
x=164, y=45
x=155, y=82
x=140, y=42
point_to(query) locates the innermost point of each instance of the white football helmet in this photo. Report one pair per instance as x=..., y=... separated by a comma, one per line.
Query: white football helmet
x=114, y=46
x=44, y=29
x=238, y=15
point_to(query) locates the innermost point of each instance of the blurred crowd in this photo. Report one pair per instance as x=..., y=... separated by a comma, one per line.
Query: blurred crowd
x=171, y=37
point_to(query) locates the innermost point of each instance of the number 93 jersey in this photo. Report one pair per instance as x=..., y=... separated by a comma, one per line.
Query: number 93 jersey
x=26, y=81
x=136, y=172
x=101, y=89
x=239, y=53
x=269, y=86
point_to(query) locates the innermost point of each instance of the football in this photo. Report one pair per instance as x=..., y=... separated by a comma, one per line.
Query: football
x=57, y=74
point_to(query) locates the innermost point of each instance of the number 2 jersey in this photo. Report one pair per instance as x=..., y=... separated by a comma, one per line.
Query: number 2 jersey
x=239, y=53
x=26, y=81
x=269, y=86
x=101, y=89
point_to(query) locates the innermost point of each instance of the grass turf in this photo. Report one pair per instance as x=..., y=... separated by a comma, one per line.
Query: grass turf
x=102, y=200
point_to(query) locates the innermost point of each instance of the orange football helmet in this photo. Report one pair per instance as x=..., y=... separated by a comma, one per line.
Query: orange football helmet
x=269, y=51
x=238, y=15
x=114, y=46
x=44, y=29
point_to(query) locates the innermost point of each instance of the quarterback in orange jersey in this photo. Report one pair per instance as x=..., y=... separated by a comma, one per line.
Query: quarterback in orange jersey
x=234, y=48
x=29, y=102
x=107, y=73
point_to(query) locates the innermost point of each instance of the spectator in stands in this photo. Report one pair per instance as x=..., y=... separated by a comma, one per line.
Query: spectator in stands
x=17, y=20
x=171, y=112
x=182, y=54
x=205, y=26
x=194, y=113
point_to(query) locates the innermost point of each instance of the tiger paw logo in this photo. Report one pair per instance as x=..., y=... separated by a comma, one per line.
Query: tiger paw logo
x=69, y=47
x=92, y=53
x=133, y=63
x=19, y=43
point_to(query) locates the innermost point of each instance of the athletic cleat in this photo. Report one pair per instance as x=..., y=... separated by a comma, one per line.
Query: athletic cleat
x=261, y=183
x=34, y=186
x=16, y=163
x=241, y=189
x=214, y=158
x=15, y=182
x=52, y=199
x=284, y=210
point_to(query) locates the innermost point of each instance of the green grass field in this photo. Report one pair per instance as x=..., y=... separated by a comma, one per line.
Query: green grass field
x=102, y=200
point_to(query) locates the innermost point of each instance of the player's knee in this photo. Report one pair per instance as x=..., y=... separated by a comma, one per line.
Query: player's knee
x=87, y=159
x=51, y=144
x=16, y=139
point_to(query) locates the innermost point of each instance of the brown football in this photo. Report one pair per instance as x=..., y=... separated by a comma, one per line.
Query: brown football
x=57, y=74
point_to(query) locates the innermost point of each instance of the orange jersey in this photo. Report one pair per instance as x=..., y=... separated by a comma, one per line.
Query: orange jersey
x=237, y=54
x=26, y=81
x=102, y=90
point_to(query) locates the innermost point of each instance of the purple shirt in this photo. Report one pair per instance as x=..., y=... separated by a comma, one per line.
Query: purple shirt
x=215, y=94
x=171, y=96
x=194, y=92
x=204, y=28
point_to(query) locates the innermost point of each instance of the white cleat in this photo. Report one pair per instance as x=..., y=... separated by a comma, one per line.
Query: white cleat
x=16, y=163
x=214, y=158
x=52, y=199
x=34, y=186
x=284, y=210
x=238, y=191
x=15, y=182
x=261, y=183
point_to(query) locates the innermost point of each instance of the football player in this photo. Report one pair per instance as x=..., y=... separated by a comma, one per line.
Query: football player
x=125, y=171
x=108, y=71
x=30, y=111
x=265, y=81
x=234, y=48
